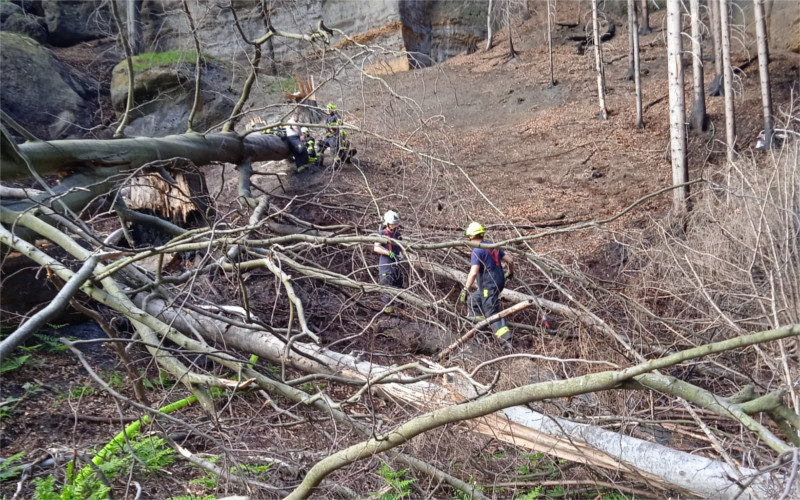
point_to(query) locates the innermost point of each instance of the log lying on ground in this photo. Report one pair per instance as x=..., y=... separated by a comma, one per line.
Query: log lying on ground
x=658, y=465
x=51, y=157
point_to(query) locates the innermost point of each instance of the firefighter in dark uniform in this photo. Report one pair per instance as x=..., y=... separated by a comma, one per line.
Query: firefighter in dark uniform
x=331, y=139
x=486, y=265
x=308, y=143
x=391, y=272
x=345, y=151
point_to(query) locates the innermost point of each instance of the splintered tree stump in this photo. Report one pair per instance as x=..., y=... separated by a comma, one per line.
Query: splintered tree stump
x=179, y=196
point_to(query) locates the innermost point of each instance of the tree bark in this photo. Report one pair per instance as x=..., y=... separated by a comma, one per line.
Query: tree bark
x=677, y=128
x=698, y=119
x=598, y=57
x=134, y=25
x=634, y=68
x=489, y=25
x=53, y=157
x=550, y=43
x=717, y=88
x=763, y=70
x=511, y=52
x=645, y=29
x=727, y=78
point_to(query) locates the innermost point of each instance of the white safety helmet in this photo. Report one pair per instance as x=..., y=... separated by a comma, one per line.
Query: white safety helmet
x=391, y=217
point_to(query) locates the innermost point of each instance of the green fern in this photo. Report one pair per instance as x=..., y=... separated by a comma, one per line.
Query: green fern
x=11, y=363
x=531, y=495
x=11, y=467
x=401, y=486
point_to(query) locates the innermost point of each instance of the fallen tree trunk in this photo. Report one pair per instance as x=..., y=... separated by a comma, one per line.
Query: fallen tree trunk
x=658, y=465
x=52, y=157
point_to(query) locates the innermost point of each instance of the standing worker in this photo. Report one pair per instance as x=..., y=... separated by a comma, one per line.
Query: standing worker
x=486, y=264
x=331, y=139
x=390, y=256
x=296, y=146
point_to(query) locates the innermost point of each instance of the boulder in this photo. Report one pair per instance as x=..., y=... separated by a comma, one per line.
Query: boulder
x=14, y=19
x=47, y=97
x=163, y=93
x=70, y=22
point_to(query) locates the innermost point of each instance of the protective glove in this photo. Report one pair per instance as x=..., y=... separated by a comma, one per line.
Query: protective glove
x=463, y=297
x=401, y=258
x=391, y=255
x=509, y=275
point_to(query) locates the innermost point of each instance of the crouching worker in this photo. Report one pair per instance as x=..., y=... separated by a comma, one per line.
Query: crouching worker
x=309, y=145
x=296, y=146
x=391, y=272
x=345, y=151
x=486, y=265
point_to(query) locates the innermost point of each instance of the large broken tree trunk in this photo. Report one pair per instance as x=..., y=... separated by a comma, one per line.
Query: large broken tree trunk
x=518, y=425
x=93, y=167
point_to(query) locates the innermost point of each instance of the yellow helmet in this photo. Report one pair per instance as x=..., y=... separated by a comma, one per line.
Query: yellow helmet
x=331, y=106
x=474, y=229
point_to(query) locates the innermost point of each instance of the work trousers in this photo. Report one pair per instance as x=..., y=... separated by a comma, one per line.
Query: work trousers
x=486, y=301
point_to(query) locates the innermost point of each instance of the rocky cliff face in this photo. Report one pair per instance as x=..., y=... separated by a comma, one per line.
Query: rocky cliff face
x=433, y=30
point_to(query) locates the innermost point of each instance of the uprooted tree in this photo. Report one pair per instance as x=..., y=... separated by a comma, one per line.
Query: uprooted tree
x=721, y=350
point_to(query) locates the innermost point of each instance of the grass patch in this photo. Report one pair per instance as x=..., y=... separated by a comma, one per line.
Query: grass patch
x=150, y=59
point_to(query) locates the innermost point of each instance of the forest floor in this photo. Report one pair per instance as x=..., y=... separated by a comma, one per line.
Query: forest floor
x=521, y=153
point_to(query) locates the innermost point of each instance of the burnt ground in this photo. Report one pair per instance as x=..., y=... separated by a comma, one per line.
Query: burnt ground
x=537, y=153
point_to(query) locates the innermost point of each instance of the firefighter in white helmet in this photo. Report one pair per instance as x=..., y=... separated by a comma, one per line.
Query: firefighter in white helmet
x=391, y=273
x=486, y=265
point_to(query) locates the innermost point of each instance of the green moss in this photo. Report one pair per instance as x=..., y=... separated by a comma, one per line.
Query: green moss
x=150, y=59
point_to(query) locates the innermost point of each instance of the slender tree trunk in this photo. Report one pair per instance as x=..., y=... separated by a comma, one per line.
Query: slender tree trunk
x=270, y=45
x=134, y=25
x=550, y=43
x=511, y=52
x=489, y=25
x=677, y=129
x=629, y=73
x=763, y=70
x=716, y=88
x=633, y=23
x=598, y=57
x=727, y=79
x=645, y=28
x=698, y=119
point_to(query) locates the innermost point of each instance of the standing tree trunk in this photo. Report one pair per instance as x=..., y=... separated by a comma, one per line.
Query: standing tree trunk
x=763, y=70
x=645, y=28
x=698, y=119
x=511, y=52
x=266, y=12
x=598, y=56
x=489, y=26
x=716, y=88
x=134, y=25
x=727, y=79
x=634, y=68
x=550, y=43
x=680, y=171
